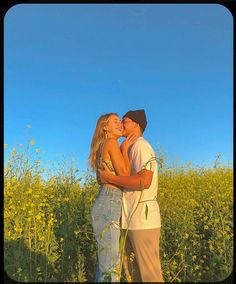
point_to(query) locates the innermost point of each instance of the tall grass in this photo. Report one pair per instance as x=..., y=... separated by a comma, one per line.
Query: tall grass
x=48, y=234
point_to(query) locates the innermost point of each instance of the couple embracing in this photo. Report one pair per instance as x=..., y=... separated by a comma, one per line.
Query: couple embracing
x=125, y=215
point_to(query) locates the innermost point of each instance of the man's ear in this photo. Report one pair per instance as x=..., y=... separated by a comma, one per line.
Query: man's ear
x=136, y=124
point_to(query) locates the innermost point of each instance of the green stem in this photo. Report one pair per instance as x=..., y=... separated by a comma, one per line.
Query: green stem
x=30, y=253
x=35, y=243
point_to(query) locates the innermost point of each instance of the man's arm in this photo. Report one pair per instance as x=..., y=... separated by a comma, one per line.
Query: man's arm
x=139, y=181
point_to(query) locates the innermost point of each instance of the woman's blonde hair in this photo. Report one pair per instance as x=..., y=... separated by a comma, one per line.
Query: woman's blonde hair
x=98, y=139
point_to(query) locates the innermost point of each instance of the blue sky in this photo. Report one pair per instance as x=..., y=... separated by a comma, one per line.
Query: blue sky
x=66, y=64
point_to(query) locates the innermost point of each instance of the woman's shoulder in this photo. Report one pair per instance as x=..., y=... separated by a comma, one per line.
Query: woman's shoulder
x=111, y=141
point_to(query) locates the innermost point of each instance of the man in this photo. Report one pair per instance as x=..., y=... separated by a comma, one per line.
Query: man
x=140, y=210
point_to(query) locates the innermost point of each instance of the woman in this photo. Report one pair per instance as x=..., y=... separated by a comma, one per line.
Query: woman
x=106, y=210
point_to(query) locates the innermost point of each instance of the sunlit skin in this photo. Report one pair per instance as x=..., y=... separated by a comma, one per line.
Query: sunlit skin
x=142, y=179
x=114, y=127
x=112, y=151
x=129, y=126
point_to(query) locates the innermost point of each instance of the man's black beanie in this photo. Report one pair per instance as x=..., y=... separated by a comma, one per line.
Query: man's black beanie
x=138, y=116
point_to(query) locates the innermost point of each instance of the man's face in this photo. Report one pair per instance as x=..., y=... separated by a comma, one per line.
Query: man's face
x=128, y=126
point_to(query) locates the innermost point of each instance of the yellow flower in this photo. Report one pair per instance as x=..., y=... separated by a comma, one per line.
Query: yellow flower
x=211, y=248
x=186, y=236
x=29, y=190
x=32, y=141
x=38, y=217
x=50, y=222
x=14, y=153
x=18, y=229
x=42, y=238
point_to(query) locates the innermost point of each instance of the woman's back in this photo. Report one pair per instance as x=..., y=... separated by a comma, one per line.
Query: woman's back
x=103, y=157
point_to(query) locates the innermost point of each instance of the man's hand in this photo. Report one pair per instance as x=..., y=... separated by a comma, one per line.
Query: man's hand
x=104, y=174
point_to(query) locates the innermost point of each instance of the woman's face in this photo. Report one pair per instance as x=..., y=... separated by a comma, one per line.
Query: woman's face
x=114, y=127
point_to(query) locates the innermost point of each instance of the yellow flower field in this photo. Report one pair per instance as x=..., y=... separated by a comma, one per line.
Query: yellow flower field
x=48, y=235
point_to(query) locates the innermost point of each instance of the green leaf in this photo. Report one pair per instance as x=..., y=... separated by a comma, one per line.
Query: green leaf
x=146, y=211
x=121, y=243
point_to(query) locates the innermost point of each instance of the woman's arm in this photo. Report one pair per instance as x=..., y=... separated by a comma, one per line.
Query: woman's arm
x=119, y=157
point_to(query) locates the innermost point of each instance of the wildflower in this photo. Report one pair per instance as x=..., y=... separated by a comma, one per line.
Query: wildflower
x=38, y=217
x=211, y=248
x=29, y=190
x=14, y=153
x=19, y=230
x=32, y=142
x=42, y=238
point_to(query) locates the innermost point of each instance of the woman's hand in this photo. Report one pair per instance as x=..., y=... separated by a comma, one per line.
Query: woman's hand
x=130, y=139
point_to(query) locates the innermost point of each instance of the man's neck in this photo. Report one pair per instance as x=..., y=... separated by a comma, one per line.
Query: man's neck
x=138, y=133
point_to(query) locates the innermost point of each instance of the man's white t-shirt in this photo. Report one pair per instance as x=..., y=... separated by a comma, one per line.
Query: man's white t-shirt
x=147, y=213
